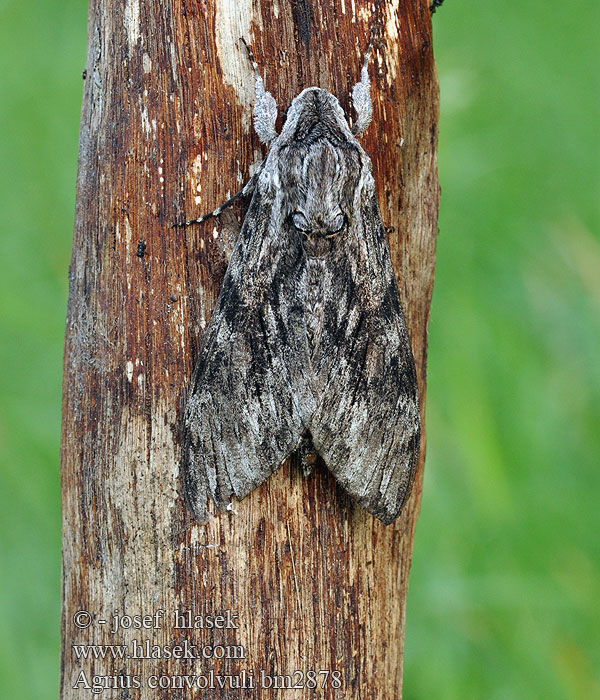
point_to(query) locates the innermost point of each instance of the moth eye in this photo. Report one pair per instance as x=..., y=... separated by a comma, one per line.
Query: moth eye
x=300, y=223
x=338, y=224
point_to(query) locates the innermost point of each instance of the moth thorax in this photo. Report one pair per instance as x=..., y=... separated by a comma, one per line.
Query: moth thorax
x=317, y=273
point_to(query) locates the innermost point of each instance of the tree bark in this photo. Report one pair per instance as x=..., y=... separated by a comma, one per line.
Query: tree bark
x=311, y=581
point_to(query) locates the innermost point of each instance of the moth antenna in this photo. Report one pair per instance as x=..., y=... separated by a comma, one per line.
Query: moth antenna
x=361, y=96
x=244, y=192
x=251, y=58
x=265, y=107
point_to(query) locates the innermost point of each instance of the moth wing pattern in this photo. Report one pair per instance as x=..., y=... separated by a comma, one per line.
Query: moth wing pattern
x=366, y=427
x=239, y=426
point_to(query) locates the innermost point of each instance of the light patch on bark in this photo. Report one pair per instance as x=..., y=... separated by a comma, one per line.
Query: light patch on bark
x=145, y=119
x=233, y=20
x=173, y=55
x=147, y=63
x=139, y=471
x=391, y=32
x=131, y=19
x=365, y=12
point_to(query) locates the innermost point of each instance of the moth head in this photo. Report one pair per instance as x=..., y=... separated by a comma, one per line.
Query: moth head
x=313, y=114
x=317, y=231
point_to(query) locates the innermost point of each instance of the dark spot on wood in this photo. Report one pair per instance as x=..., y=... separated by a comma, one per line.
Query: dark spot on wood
x=84, y=74
x=141, y=249
x=302, y=14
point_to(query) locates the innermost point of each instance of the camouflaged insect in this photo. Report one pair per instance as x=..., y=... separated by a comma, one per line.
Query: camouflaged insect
x=307, y=340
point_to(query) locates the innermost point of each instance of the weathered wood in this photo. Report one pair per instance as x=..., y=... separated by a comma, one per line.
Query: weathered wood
x=316, y=582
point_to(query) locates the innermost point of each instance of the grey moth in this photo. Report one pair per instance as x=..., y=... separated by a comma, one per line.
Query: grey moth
x=307, y=341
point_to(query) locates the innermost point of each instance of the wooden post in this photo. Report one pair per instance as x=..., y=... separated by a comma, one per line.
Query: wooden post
x=311, y=581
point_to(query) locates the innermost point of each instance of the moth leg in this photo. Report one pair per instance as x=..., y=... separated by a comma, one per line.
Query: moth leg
x=246, y=190
x=265, y=107
x=361, y=96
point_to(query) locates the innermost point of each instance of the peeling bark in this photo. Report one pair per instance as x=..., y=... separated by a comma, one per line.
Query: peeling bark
x=316, y=582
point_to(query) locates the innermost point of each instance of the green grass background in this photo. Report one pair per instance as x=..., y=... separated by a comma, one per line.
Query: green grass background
x=505, y=585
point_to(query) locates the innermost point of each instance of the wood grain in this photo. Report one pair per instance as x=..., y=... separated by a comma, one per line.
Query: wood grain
x=316, y=582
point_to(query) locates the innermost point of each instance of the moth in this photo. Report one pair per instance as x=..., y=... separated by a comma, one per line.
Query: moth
x=307, y=341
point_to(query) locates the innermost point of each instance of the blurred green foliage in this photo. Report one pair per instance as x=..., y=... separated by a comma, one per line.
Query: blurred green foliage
x=42, y=54
x=505, y=585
